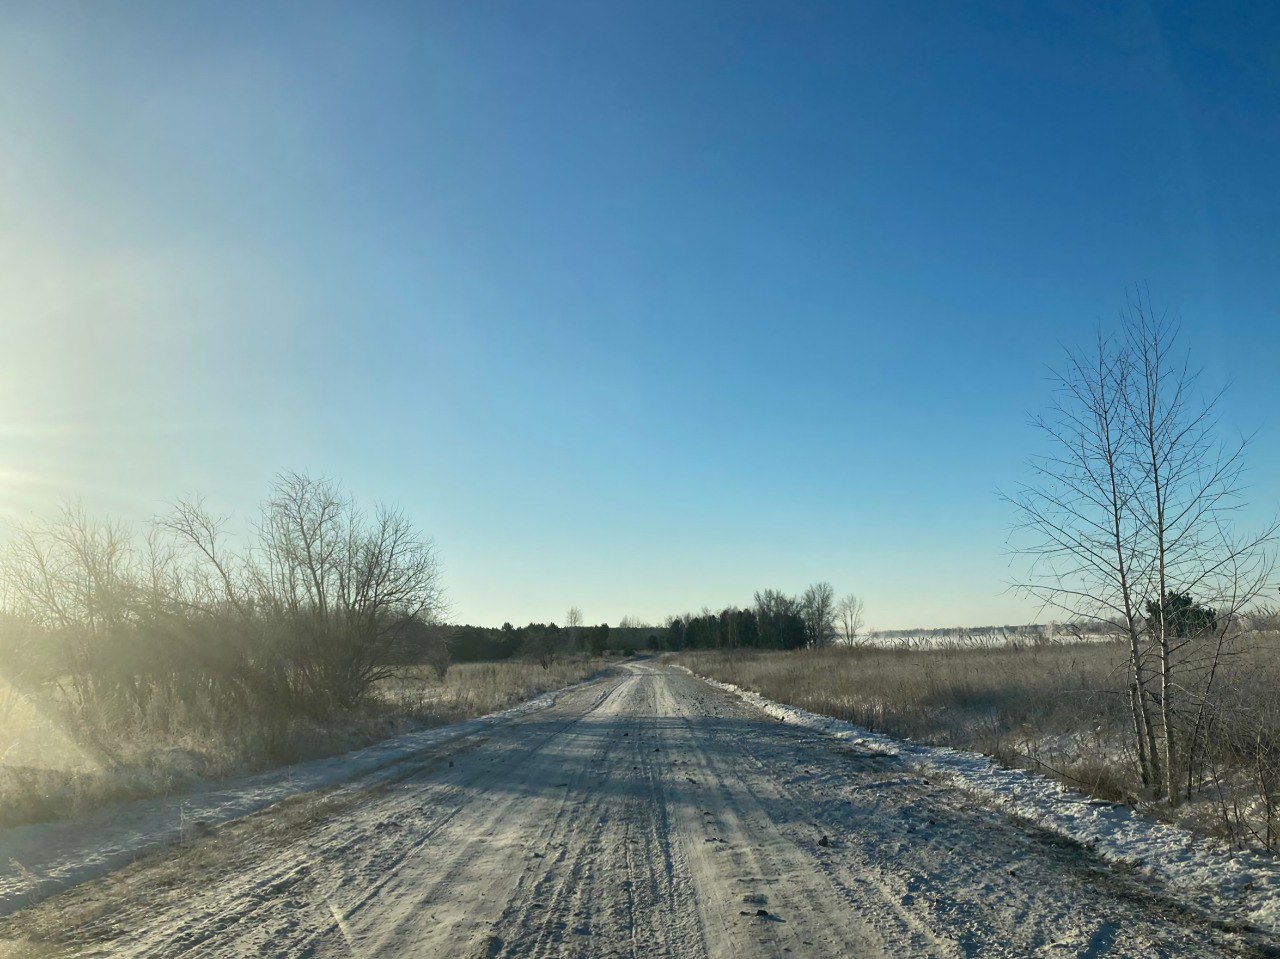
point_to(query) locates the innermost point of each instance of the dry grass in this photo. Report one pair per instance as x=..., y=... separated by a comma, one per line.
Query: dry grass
x=1003, y=702
x=1056, y=709
x=57, y=762
x=473, y=689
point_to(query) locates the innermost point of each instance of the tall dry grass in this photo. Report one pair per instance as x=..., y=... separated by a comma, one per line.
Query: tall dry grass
x=1055, y=709
x=1003, y=702
x=474, y=689
x=58, y=760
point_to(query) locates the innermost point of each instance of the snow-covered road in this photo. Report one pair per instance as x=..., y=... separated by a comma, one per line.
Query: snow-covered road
x=644, y=814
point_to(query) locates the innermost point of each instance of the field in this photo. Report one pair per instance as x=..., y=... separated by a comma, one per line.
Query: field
x=1058, y=709
x=59, y=761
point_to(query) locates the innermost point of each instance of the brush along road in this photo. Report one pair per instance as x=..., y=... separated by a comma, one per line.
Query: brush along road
x=644, y=814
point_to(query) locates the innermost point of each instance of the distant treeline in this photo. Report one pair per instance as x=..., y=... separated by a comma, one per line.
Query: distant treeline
x=1029, y=631
x=544, y=641
x=732, y=627
x=776, y=620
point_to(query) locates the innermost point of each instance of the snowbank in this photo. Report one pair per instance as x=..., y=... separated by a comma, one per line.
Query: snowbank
x=1203, y=871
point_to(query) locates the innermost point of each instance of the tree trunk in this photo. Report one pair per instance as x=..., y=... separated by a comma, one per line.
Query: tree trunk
x=1166, y=717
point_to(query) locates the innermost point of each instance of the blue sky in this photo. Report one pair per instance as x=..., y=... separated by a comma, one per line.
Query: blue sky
x=633, y=306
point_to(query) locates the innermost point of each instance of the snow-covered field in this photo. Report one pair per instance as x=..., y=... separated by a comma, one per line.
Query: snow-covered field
x=646, y=813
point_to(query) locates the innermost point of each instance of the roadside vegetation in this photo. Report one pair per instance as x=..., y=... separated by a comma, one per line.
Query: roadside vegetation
x=1130, y=528
x=135, y=662
x=1130, y=520
x=1058, y=709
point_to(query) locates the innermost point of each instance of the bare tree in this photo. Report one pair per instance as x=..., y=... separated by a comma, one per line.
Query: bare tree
x=819, y=610
x=573, y=627
x=1080, y=516
x=338, y=588
x=849, y=612
x=1129, y=517
x=349, y=580
x=1191, y=487
x=79, y=579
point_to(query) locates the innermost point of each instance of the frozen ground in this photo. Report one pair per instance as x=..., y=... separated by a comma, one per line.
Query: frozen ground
x=644, y=814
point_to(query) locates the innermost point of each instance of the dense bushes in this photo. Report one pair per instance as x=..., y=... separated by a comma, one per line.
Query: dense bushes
x=302, y=618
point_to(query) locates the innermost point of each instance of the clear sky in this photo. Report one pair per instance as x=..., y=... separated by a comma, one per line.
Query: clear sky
x=634, y=306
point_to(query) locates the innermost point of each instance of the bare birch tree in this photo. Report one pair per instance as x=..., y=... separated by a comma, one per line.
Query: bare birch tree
x=1189, y=489
x=1130, y=514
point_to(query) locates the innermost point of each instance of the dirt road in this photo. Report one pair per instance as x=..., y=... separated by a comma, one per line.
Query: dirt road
x=645, y=814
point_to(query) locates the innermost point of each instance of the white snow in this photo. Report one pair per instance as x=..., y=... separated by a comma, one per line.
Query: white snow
x=1201, y=869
